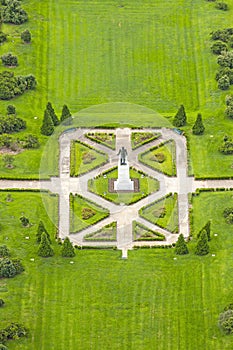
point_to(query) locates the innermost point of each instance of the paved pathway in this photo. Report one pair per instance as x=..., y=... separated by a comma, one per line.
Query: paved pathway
x=63, y=185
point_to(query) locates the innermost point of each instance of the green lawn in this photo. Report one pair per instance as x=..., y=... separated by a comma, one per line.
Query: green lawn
x=140, y=138
x=106, y=139
x=77, y=205
x=84, y=158
x=206, y=160
x=163, y=212
x=100, y=186
x=167, y=151
x=107, y=233
x=143, y=233
x=149, y=301
x=153, y=53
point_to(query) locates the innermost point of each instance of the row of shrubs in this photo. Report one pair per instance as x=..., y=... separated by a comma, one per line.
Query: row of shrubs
x=222, y=46
x=11, y=85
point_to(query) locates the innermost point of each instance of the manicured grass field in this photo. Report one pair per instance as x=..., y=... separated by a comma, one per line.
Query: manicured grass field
x=150, y=301
x=156, y=54
x=78, y=205
x=163, y=212
x=153, y=53
x=100, y=185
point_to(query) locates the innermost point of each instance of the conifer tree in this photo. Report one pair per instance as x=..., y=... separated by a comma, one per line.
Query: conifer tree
x=198, y=127
x=207, y=229
x=180, y=117
x=52, y=114
x=67, y=250
x=41, y=228
x=47, y=127
x=202, y=247
x=65, y=113
x=181, y=246
x=45, y=250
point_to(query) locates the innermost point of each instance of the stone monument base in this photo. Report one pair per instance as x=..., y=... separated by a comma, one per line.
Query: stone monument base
x=111, y=186
x=123, y=183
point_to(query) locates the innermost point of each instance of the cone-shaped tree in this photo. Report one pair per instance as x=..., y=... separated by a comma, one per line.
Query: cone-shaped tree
x=65, y=114
x=45, y=250
x=47, y=127
x=181, y=246
x=52, y=114
x=198, y=127
x=67, y=250
x=180, y=117
x=202, y=247
x=41, y=228
x=207, y=229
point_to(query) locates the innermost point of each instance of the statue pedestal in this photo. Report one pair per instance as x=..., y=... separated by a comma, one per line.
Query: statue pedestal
x=123, y=183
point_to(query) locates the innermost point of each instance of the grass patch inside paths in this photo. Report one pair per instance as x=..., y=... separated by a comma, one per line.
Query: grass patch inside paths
x=161, y=158
x=84, y=158
x=106, y=139
x=107, y=233
x=163, y=212
x=141, y=138
x=99, y=185
x=143, y=233
x=84, y=213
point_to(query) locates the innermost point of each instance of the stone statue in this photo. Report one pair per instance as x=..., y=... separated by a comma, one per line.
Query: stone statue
x=123, y=153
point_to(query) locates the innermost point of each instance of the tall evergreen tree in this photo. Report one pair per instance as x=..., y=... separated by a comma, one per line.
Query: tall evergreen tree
x=206, y=228
x=65, y=113
x=202, y=247
x=180, y=117
x=45, y=250
x=52, y=114
x=181, y=246
x=198, y=127
x=67, y=250
x=47, y=127
x=41, y=228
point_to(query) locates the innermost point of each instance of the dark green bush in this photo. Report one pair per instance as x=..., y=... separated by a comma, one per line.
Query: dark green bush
x=9, y=60
x=3, y=37
x=13, y=13
x=226, y=321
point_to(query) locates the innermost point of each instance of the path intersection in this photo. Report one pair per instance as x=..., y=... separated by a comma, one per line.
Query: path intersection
x=124, y=215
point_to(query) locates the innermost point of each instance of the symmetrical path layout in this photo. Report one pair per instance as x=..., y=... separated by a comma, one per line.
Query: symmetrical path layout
x=123, y=215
